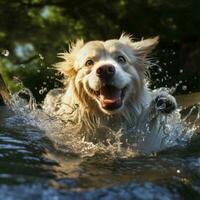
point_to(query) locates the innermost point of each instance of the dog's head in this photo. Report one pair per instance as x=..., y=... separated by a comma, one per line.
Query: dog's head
x=109, y=72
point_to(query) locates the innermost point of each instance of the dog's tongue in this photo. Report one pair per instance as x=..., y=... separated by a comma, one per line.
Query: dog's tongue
x=109, y=95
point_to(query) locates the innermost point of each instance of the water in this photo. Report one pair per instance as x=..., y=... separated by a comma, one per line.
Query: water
x=35, y=164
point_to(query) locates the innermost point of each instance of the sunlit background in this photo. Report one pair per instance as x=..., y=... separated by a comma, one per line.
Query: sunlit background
x=32, y=32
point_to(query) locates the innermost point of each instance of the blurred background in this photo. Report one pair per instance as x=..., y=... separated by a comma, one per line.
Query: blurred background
x=32, y=32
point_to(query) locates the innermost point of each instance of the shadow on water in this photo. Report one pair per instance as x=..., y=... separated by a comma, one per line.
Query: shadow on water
x=21, y=152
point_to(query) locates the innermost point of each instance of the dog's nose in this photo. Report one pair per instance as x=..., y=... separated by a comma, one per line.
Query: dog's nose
x=105, y=71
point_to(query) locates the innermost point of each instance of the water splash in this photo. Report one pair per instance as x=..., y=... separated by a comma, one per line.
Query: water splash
x=120, y=143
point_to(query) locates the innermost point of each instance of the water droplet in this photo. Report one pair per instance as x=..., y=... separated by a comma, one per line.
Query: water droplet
x=178, y=171
x=181, y=71
x=42, y=90
x=57, y=74
x=5, y=52
x=184, y=87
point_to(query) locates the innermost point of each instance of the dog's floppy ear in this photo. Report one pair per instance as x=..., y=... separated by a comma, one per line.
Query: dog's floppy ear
x=141, y=48
x=66, y=67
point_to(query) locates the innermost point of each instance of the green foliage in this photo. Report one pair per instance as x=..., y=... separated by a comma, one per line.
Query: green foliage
x=34, y=31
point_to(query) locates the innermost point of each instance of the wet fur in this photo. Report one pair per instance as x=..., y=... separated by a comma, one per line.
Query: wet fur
x=77, y=103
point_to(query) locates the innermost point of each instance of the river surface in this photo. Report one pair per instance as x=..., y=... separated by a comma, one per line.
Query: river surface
x=31, y=168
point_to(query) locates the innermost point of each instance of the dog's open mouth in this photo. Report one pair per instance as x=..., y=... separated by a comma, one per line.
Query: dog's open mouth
x=111, y=97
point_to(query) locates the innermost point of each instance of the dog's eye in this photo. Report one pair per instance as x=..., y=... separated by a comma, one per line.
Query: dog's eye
x=89, y=63
x=121, y=59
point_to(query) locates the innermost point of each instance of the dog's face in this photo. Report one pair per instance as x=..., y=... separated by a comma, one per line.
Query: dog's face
x=111, y=72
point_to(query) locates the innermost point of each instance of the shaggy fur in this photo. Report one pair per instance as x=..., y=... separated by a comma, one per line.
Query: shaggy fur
x=95, y=96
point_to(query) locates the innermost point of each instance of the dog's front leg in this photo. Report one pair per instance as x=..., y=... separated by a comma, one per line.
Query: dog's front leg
x=153, y=120
x=161, y=104
x=164, y=102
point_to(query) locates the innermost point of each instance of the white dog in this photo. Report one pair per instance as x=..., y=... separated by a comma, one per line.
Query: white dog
x=105, y=87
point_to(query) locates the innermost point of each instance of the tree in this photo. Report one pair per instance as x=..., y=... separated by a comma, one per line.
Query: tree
x=34, y=31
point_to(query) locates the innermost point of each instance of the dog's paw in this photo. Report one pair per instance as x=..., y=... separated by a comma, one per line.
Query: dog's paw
x=165, y=103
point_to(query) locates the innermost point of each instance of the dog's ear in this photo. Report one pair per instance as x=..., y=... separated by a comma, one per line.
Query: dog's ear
x=141, y=48
x=66, y=67
x=144, y=47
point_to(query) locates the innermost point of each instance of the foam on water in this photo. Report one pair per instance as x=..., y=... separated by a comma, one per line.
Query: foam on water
x=62, y=133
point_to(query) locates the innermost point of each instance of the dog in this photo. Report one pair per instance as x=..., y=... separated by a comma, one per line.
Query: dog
x=105, y=87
